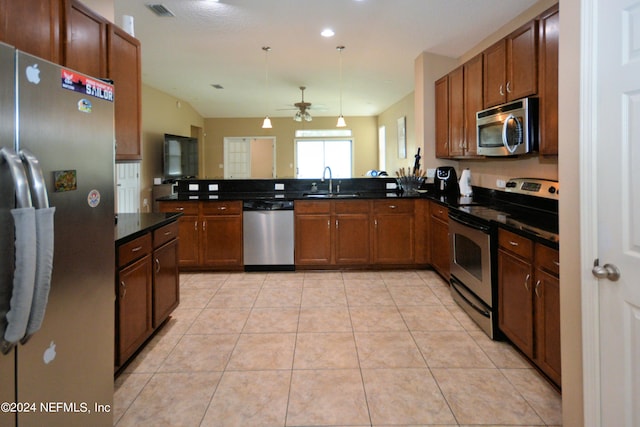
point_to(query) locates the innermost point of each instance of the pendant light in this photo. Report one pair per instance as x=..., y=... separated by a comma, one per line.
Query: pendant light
x=341, y=123
x=266, y=123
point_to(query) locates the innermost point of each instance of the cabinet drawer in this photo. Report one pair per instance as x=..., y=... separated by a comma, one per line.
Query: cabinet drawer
x=440, y=212
x=351, y=206
x=393, y=206
x=165, y=233
x=134, y=249
x=516, y=244
x=547, y=259
x=222, y=208
x=188, y=208
x=315, y=207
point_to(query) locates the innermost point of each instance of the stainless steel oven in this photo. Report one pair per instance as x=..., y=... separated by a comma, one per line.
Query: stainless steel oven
x=472, y=282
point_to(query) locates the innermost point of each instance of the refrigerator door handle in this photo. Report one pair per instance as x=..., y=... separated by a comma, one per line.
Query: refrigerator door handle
x=45, y=240
x=37, y=186
x=21, y=183
x=25, y=255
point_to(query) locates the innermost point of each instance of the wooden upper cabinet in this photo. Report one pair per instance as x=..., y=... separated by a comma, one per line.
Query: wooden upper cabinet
x=511, y=67
x=124, y=68
x=548, y=84
x=456, y=112
x=442, y=116
x=33, y=26
x=473, y=102
x=85, y=40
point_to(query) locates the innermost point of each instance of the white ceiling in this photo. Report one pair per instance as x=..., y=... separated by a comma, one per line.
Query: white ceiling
x=221, y=43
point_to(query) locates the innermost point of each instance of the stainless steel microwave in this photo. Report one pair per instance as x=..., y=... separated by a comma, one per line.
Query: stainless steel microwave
x=509, y=129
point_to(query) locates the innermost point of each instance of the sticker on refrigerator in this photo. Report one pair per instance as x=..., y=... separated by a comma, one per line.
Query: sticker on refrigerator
x=65, y=180
x=86, y=85
x=93, y=199
x=84, y=106
x=33, y=74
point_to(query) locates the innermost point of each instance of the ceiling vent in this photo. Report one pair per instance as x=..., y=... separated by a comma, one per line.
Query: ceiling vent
x=217, y=86
x=161, y=10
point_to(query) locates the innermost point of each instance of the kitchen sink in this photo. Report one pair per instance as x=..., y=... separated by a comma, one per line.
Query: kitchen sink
x=330, y=195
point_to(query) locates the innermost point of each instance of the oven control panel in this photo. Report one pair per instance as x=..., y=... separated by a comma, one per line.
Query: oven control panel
x=534, y=187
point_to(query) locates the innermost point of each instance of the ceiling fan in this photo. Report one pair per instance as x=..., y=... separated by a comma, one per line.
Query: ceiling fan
x=303, y=107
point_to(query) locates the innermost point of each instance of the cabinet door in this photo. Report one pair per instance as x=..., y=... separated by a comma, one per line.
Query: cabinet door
x=473, y=102
x=456, y=112
x=547, y=310
x=442, y=116
x=125, y=70
x=189, y=248
x=351, y=242
x=166, y=281
x=33, y=26
x=548, y=83
x=221, y=240
x=495, y=74
x=86, y=41
x=440, y=258
x=313, y=239
x=134, y=307
x=394, y=239
x=522, y=65
x=515, y=302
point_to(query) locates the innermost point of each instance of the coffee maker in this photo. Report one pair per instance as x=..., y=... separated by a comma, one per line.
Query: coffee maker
x=446, y=181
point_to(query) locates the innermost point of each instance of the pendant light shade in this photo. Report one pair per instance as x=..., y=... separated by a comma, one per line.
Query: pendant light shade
x=341, y=123
x=266, y=123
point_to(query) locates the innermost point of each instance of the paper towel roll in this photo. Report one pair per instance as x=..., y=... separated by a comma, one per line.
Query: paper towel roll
x=127, y=24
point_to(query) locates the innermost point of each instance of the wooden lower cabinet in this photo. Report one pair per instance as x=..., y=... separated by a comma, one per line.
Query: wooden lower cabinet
x=439, y=242
x=351, y=232
x=529, y=300
x=166, y=281
x=147, y=288
x=330, y=233
x=393, y=232
x=210, y=233
x=134, y=307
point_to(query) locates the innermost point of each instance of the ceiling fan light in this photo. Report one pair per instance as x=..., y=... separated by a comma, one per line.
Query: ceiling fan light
x=307, y=116
x=298, y=116
x=341, y=123
x=266, y=124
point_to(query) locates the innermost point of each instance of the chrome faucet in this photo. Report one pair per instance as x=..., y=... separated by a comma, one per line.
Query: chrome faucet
x=330, y=178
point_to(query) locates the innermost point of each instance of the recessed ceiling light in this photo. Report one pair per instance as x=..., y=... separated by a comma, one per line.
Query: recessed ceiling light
x=327, y=32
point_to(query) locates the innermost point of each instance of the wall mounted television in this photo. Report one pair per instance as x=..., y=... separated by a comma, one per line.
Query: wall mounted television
x=180, y=157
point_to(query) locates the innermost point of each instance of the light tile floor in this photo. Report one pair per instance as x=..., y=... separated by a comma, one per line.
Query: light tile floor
x=327, y=349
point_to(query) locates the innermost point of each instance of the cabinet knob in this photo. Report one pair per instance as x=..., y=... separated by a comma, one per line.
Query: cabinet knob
x=512, y=243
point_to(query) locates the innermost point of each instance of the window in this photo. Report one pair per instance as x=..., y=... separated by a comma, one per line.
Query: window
x=312, y=155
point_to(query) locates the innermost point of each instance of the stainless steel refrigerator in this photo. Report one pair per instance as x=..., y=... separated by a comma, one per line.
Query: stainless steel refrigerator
x=57, y=124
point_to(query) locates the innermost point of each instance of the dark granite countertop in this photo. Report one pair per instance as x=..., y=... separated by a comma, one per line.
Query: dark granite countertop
x=132, y=225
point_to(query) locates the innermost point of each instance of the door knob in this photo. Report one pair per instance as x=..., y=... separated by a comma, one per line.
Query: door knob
x=608, y=271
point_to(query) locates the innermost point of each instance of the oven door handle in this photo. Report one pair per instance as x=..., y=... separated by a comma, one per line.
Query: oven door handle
x=482, y=228
x=476, y=307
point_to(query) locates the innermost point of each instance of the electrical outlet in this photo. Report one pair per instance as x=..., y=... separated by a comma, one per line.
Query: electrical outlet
x=431, y=173
x=145, y=203
x=500, y=183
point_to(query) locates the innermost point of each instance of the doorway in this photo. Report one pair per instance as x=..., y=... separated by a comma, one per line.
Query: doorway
x=249, y=157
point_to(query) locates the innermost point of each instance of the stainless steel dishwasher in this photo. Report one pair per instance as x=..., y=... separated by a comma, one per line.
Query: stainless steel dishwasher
x=268, y=236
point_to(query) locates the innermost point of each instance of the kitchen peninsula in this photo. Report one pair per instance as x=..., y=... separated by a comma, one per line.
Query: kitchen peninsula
x=147, y=285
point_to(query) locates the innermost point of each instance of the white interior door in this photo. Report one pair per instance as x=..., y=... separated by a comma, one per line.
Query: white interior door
x=128, y=185
x=617, y=141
